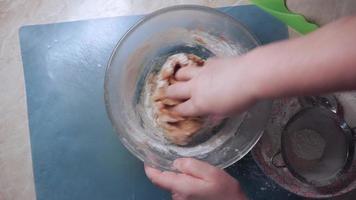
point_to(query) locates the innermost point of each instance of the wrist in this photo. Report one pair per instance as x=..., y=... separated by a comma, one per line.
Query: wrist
x=253, y=75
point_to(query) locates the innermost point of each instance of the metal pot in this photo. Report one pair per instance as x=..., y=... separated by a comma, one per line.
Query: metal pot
x=317, y=146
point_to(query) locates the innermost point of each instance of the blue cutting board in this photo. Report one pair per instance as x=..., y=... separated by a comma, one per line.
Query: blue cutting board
x=76, y=154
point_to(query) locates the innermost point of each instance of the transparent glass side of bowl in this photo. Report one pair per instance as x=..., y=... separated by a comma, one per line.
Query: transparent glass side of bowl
x=128, y=64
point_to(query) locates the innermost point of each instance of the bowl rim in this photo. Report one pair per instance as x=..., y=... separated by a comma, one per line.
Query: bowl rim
x=136, y=25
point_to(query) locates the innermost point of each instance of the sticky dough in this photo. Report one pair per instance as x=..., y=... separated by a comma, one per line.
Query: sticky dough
x=177, y=129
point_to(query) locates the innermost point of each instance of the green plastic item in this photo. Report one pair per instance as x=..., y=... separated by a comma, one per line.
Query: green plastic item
x=278, y=9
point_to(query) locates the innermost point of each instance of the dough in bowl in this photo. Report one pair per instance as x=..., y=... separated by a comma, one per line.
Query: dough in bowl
x=177, y=129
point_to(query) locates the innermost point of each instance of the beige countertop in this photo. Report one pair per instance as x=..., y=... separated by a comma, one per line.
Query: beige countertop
x=16, y=177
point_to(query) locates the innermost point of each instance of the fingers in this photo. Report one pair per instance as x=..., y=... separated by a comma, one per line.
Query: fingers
x=196, y=168
x=180, y=183
x=187, y=73
x=187, y=108
x=158, y=179
x=179, y=90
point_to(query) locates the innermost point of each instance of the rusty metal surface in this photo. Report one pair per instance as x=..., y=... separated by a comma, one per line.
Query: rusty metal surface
x=269, y=144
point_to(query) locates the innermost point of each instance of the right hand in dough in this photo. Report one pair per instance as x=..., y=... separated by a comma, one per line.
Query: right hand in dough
x=218, y=88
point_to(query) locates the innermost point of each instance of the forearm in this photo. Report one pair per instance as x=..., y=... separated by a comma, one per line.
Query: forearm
x=323, y=61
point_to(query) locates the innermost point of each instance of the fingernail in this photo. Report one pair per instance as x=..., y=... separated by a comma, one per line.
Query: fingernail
x=177, y=109
x=148, y=168
x=168, y=92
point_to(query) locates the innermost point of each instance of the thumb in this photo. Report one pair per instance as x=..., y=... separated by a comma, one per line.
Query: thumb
x=196, y=168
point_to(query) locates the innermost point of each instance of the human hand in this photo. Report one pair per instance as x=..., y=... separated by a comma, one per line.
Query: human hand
x=197, y=181
x=220, y=87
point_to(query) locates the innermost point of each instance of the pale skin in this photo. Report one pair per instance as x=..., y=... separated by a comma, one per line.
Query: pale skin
x=321, y=62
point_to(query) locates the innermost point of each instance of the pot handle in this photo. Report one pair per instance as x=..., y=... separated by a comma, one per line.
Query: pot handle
x=273, y=160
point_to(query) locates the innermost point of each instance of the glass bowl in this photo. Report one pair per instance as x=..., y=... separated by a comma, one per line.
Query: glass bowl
x=203, y=31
